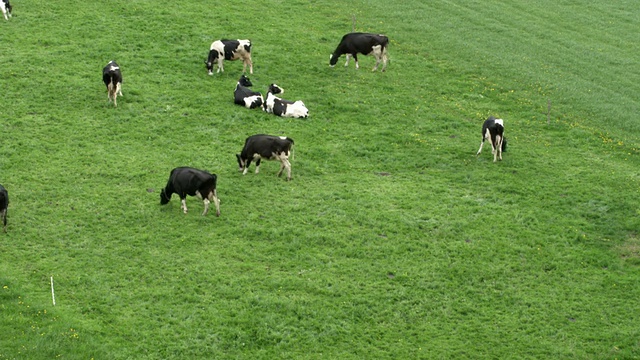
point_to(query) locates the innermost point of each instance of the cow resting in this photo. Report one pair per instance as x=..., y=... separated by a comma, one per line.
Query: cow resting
x=282, y=107
x=245, y=96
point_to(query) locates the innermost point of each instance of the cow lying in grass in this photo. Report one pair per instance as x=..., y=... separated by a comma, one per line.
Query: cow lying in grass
x=189, y=181
x=266, y=147
x=245, y=96
x=493, y=129
x=281, y=107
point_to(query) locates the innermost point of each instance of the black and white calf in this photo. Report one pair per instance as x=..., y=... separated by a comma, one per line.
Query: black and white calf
x=112, y=78
x=266, y=147
x=493, y=129
x=245, y=96
x=5, y=7
x=281, y=107
x=4, y=204
x=353, y=44
x=229, y=50
x=189, y=181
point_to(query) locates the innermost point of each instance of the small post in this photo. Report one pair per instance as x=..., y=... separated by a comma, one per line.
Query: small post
x=548, y=111
x=53, y=296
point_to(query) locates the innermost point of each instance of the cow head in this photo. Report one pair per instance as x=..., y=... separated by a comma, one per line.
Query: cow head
x=244, y=81
x=164, y=199
x=275, y=89
x=209, y=65
x=213, y=56
x=241, y=163
x=333, y=59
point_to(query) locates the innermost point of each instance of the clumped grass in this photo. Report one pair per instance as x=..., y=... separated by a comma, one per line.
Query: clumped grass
x=392, y=241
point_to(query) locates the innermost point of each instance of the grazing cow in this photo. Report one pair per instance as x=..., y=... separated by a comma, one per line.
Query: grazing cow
x=493, y=129
x=364, y=43
x=245, y=96
x=5, y=7
x=189, y=181
x=266, y=147
x=281, y=107
x=229, y=50
x=4, y=204
x=112, y=77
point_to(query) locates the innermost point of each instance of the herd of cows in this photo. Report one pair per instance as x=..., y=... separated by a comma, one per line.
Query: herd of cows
x=190, y=181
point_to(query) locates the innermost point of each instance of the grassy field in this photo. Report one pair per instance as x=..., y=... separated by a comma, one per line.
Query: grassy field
x=392, y=241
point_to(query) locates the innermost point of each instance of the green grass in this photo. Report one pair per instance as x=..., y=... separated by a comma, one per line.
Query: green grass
x=392, y=241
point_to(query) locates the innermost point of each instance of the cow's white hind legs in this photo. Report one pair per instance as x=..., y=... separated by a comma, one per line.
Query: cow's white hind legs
x=184, y=205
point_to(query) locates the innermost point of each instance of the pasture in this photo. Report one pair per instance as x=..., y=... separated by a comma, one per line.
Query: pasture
x=392, y=241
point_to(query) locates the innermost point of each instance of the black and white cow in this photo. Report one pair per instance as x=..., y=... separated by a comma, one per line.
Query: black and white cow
x=245, y=96
x=112, y=78
x=353, y=44
x=281, y=107
x=229, y=50
x=4, y=204
x=266, y=147
x=493, y=129
x=189, y=181
x=5, y=7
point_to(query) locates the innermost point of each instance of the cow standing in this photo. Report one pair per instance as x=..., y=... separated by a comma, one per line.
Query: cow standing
x=493, y=129
x=364, y=43
x=245, y=96
x=4, y=204
x=229, y=50
x=189, y=181
x=5, y=7
x=266, y=147
x=281, y=107
x=112, y=78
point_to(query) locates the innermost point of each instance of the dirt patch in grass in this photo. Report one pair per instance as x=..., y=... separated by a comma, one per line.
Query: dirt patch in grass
x=630, y=249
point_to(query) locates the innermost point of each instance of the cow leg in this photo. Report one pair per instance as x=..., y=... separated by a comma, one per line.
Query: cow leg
x=184, y=205
x=206, y=206
x=281, y=167
x=355, y=58
x=384, y=59
x=499, y=146
x=375, y=67
x=348, y=56
x=220, y=66
x=213, y=196
x=288, y=166
x=479, y=150
x=119, y=89
x=258, y=165
x=493, y=150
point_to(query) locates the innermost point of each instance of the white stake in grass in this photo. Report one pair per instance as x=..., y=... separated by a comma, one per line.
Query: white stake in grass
x=53, y=296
